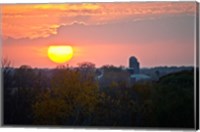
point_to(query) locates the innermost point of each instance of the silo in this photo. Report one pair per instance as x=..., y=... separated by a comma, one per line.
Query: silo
x=134, y=64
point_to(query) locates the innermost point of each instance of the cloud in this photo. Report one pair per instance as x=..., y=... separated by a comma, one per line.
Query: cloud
x=42, y=20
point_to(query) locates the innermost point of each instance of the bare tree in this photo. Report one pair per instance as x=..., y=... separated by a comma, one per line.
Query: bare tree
x=5, y=66
x=6, y=69
x=5, y=62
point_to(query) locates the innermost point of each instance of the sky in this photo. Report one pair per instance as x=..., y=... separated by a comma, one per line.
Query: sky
x=156, y=33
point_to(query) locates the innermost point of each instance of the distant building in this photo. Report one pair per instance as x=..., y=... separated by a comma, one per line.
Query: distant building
x=134, y=70
x=139, y=77
x=99, y=74
x=126, y=76
x=134, y=65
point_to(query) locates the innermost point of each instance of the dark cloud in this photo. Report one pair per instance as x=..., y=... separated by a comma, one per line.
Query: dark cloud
x=166, y=28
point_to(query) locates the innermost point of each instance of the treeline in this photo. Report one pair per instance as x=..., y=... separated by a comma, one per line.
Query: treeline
x=156, y=72
x=72, y=97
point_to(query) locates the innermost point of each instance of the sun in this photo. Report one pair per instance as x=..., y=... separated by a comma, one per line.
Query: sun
x=60, y=54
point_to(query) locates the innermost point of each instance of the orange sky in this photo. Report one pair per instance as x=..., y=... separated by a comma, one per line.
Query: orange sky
x=157, y=33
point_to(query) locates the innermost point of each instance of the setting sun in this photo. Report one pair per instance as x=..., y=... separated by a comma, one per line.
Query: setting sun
x=60, y=54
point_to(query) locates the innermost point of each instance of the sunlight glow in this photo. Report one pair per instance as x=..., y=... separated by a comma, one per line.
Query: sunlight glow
x=60, y=54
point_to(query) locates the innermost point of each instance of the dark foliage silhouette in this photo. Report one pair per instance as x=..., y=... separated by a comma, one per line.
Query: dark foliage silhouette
x=75, y=97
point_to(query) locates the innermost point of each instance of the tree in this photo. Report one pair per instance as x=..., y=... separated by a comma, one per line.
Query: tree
x=87, y=70
x=70, y=100
x=19, y=97
x=174, y=100
x=5, y=63
x=7, y=89
x=25, y=77
x=114, y=79
x=6, y=72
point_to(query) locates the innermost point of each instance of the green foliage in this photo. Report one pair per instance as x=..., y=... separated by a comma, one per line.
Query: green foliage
x=174, y=100
x=168, y=102
x=115, y=110
x=144, y=90
x=49, y=110
x=69, y=96
x=72, y=96
x=145, y=104
x=117, y=79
